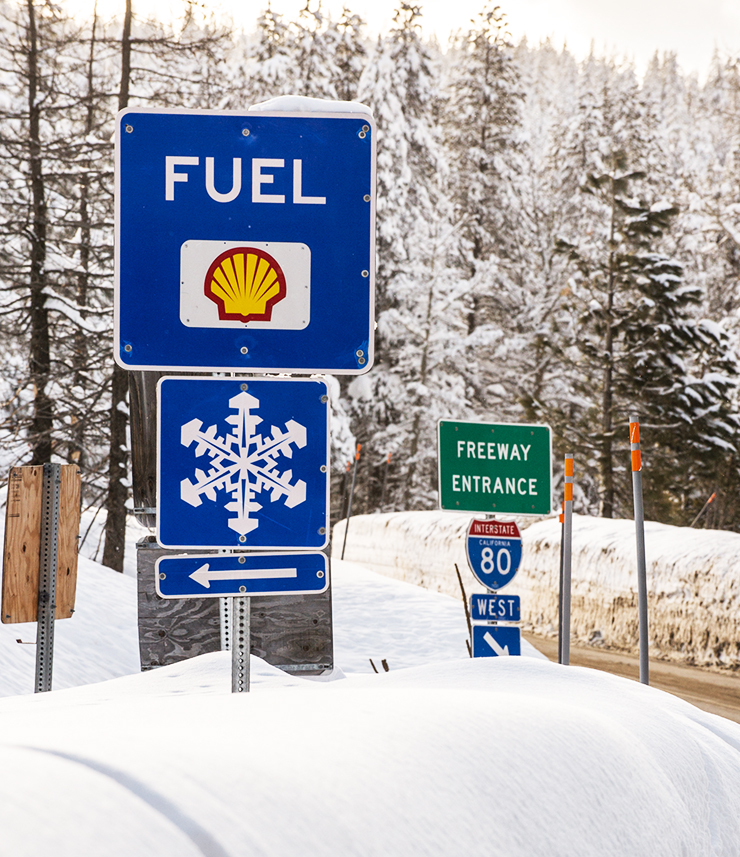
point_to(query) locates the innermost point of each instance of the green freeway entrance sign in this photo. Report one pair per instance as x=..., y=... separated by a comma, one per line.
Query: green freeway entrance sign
x=502, y=469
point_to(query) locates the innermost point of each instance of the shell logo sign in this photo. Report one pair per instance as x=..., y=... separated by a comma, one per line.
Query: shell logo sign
x=245, y=283
x=237, y=284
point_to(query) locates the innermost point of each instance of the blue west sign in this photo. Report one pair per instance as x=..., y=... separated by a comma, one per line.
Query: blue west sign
x=494, y=551
x=501, y=608
x=216, y=576
x=245, y=241
x=242, y=463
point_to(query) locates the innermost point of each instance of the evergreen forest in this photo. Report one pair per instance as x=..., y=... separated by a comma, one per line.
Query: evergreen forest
x=558, y=242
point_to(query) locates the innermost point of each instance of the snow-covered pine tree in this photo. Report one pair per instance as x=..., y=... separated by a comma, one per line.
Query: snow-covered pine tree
x=419, y=373
x=638, y=348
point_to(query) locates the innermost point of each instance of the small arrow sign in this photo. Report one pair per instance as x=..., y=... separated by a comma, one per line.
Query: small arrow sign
x=204, y=575
x=495, y=646
x=216, y=576
x=495, y=641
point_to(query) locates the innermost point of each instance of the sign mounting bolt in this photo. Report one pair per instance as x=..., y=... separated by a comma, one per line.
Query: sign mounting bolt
x=242, y=560
x=366, y=197
x=324, y=399
x=242, y=589
x=366, y=273
x=129, y=129
x=366, y=128
x=244, y=349
x=360, y=352
x=244, y=386
x=162, y=575
x=319, y=574
x=322, y=531
x=242, y=539
x=245, y=132
x=323, y=468
x=127, y=348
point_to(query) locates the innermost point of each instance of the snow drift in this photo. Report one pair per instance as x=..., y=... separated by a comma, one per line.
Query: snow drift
x=693, y=577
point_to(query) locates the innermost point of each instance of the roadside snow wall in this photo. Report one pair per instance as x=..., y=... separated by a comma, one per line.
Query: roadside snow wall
x=693, y=577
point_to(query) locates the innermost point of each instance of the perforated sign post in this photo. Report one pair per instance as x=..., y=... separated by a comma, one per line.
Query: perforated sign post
x=494, y=468
x=245, y=241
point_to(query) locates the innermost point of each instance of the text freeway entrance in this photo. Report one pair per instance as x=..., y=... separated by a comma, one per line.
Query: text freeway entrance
x=495, y=468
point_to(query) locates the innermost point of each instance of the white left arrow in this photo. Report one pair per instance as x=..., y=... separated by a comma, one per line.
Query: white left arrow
x=204, y=575
x=493, y=644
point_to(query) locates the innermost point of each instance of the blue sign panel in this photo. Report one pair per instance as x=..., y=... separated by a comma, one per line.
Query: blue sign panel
x=216, y=576
x=243, y=463
x=494, y=641
x=503, y=608
x=494, y=551
x=245, y=241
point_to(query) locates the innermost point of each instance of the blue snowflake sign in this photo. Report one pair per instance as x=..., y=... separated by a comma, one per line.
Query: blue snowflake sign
x=242, y=463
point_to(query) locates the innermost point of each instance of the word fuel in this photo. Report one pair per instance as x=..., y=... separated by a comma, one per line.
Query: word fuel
x=262, y=175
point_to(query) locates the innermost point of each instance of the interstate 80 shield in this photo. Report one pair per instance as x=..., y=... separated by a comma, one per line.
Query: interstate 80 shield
x=494, y=550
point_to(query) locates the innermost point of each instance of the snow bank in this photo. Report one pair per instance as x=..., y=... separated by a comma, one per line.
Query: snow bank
x=693, y=577
x=505, y=756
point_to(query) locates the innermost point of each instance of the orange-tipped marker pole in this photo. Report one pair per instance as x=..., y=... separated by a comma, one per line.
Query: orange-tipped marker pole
x=351, y=494
x=566, y=551
x=642, y=604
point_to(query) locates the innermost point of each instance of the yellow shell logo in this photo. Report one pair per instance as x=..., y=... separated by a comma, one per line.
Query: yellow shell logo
x=245, y=284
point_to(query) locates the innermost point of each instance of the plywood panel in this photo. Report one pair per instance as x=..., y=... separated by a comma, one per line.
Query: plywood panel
x=22, y=543
x=20, y=588
x=69, y=530
x=293, y=632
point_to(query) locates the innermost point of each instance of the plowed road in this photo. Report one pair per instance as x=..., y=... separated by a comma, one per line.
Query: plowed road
x=717, y=692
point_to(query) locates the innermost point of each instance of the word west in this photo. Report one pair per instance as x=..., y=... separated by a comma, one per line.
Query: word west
x=496, y=608
x=486, y=485
x=261, y=177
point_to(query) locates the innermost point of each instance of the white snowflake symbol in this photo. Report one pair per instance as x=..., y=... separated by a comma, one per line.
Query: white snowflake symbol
x=243, y=463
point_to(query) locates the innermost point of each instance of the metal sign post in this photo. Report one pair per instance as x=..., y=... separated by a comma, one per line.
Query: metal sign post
x=642, y=605
x=52, y=482
x=240, y=638
x=567, y=544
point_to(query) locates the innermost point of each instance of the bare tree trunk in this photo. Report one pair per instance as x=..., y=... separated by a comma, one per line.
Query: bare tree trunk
x=606, y=458
x=40, y=355
x=77, y=451
x=115, y=525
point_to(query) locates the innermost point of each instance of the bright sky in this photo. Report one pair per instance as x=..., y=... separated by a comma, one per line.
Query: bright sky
x=632, y=28
x=628, y=28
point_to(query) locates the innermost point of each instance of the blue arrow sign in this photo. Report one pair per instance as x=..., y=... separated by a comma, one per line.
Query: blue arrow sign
x=245, y=241
x=242, y=463
x=503, y=608
x=494, y=550
x=493, y=641
x=216, y=576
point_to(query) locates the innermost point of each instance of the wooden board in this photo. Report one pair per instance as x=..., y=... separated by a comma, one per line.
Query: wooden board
x=20, y=583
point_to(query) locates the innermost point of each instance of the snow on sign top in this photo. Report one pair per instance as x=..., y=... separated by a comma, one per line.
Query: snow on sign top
x=245, y=241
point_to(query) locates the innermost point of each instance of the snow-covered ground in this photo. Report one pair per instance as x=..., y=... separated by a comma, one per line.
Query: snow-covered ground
x=693, y=577
x=442, y=755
